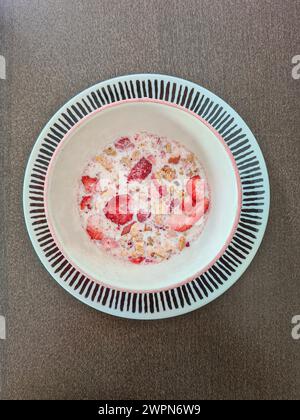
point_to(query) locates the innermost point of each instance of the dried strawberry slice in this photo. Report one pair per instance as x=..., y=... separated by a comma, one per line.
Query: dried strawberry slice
x=142, y=216
x=140, y=170
x=117, y=209
x=86, y=202
x=187, y=203
x=93, y=228
x=89, y=183
x=205, y=204
x=196, y=188
x=179, y=222
x=124, y=143
x=136, y=260
x=182, y=228
x=184, y=221
x=127, y=228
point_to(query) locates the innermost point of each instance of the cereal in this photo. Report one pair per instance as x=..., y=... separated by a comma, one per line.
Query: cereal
x=136, y=155
x=139, y=247
x=168, y=148
x=126, y=161
x=174, y=159
x=181, y=243
x=107, y=164
x=110, y=151
x=190, y=157
x=134, y=230
x=150, y=241
x=168, y=173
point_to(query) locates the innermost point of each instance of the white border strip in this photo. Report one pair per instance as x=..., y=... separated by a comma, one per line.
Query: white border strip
x=2, y=67
x=2, y=328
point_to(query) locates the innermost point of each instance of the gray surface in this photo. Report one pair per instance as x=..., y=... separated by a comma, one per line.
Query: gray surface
x=240, y=346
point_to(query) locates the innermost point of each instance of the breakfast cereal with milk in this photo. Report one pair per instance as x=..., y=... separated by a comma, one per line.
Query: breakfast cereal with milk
x=143, y=198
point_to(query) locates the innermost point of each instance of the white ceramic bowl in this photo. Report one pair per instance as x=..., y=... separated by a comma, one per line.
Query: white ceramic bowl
x=101, y=127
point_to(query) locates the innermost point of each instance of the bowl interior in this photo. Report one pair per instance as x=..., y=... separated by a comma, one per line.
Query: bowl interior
x=100, y=128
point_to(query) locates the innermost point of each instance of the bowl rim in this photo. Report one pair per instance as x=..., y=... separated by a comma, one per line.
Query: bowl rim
x=172, y=105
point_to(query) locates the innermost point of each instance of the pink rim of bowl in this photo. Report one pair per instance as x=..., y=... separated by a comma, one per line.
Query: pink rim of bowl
x=228, y=151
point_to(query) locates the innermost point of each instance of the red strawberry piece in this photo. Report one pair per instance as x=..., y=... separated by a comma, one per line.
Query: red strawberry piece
x=142, y=216
x=127, y=228
x=187, y=204
x=184, y=221
x=124, y=143
x=93, y=228
x=117, y=209
x=162, y=190
x=89, y=183
x=136, y=260
x=184, y=201
x=94, y=233
x=199, y=210
x=183, y=228
x=191, y=185
x=140, y=170
x=179, y=222
x=206, y=204
x=196, y=188
x=86, y=202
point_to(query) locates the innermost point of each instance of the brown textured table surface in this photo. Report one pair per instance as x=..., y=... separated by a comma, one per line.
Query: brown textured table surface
x=241, y=345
